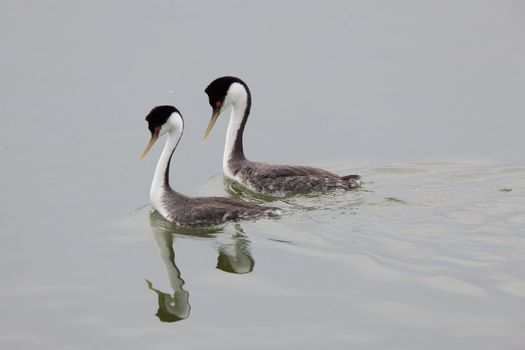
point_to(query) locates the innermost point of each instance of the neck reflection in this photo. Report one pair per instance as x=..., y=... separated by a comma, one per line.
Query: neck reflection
x=175, y=306
x=234, y=256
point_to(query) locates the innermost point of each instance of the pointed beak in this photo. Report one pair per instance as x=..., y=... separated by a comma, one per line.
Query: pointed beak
x=154, y=138
x=213, y=119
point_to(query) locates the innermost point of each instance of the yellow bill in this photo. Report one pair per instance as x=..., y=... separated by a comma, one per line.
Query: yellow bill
x=214, y=117
x=154, y=138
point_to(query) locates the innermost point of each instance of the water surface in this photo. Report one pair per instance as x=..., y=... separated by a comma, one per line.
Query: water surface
x=426, y=249
x=423, y=99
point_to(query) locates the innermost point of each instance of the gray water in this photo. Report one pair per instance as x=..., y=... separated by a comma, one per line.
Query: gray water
x=423, y=99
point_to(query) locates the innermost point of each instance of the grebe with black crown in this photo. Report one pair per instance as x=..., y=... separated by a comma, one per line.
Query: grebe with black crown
x=261, y=177
x=181, y=209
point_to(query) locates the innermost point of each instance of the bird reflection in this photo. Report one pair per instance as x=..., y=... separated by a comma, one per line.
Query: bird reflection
x=233, y=257
x=172, y=307
x=236, y=257
x=238, y=191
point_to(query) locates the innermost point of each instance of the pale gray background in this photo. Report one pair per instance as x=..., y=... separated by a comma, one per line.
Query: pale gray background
x=359, y=83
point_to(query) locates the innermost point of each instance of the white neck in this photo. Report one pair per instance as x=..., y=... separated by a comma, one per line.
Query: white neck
x=159, y=186
x=238, y=98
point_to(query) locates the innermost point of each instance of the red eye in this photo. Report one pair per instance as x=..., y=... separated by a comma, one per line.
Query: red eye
x=157, y=128
x=218, y=104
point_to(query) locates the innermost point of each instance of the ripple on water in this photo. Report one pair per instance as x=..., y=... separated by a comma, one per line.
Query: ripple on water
x=433, y=240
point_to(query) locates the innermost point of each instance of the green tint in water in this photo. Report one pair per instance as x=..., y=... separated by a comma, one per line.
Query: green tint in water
x=233, y=257
x=432, y=247
x=423, y=251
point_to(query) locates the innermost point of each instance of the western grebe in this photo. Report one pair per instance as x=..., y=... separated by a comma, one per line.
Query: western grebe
x=261, y=177
x=180, y=209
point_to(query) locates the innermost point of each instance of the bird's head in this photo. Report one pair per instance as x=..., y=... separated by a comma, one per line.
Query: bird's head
x=162, y=119
x=222, y=93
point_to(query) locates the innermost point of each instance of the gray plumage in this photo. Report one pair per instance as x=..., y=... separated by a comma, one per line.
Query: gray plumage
x=287, y=179
x=205, y=211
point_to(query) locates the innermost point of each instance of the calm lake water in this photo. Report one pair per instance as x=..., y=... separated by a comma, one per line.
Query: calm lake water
x=425, y=101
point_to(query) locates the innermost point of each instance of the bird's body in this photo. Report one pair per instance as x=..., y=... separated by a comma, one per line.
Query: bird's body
x=260, y=177
x=178, y=208
x=288, y=179
x=204, y=211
